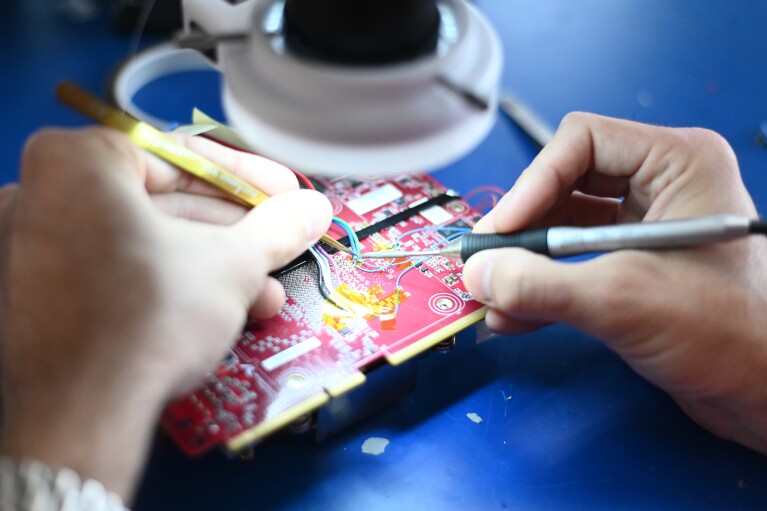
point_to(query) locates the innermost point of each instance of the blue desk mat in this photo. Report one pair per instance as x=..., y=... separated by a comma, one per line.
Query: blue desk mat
x=566, y=424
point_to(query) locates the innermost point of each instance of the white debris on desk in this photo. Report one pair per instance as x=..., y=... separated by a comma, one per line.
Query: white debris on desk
x=473, y=417
x=375, y=445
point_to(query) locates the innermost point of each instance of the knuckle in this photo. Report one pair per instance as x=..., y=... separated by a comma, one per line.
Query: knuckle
x=711, y=157
x=104, y=139
x=38, y=139
x=43, y=156
x=706, y=137
x=583, y=122
x=708, y=142
x=48, y=150
x=8, y=190
x=572, y=118
x=572, y=121
x=38, y=146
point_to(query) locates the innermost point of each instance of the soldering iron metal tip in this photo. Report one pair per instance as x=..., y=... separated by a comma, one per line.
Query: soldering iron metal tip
x=396, y=254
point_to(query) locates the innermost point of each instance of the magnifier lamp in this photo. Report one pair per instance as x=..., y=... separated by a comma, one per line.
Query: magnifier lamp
x=337, y=87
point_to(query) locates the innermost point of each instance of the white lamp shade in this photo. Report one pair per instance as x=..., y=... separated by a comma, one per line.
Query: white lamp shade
x=332, y=119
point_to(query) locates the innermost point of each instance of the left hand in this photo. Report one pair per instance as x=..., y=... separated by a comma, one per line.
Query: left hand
x=118, y=293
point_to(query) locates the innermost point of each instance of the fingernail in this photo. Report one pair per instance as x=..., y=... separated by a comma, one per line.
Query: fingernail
x=478, y=275
x=487, y=275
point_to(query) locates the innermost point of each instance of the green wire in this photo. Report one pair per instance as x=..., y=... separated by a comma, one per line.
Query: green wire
x=354, y=241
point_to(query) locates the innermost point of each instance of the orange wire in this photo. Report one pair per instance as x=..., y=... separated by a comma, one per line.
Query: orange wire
x=483, y=189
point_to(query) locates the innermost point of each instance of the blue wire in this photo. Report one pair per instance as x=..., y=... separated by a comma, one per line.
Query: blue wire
x=353, y=240
x=372, y=268
x=397, y=288
x=420, y=229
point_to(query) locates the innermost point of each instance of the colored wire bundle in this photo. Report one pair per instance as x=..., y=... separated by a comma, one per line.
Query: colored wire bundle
x=369, y=267
x=327, y=268
x=484, y=198
x=354, y=241
x=323, y=271
x=330, y=260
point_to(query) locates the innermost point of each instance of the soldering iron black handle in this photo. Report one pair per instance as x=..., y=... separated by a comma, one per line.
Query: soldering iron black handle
x=534, y=240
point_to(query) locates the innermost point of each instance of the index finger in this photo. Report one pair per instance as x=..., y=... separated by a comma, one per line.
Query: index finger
x=267, y=175
x=592, y=154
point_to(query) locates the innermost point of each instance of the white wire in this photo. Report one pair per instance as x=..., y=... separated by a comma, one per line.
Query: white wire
x=327, y=273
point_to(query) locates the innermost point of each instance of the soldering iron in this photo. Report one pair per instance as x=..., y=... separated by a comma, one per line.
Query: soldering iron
x=560, y=242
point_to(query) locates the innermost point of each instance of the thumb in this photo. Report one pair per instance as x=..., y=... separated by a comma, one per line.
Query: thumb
x=526, y=291
x=280, y=229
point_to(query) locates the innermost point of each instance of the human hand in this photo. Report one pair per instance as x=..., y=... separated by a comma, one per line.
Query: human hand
x=117, y=292
x=691, y=321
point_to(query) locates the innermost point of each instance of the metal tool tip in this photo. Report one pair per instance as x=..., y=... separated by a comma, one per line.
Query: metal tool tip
x=395, y=254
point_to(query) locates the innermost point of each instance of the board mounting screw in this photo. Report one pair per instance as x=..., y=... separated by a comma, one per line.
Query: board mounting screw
x=446, y=345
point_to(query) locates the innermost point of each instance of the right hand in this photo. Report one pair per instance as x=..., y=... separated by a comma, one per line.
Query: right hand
x=691, y=321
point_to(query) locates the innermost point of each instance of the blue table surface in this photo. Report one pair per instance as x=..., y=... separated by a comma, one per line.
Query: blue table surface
x=566, y=424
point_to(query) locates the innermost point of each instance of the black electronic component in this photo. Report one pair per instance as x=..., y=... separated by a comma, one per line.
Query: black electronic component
x=318, y=184
x=362, y=33
x=446, y=232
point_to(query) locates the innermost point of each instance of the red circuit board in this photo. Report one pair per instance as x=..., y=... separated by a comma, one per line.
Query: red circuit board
x=313, y=350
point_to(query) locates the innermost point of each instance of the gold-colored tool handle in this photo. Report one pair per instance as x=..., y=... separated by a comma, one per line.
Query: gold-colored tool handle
x=160, y=144
x=156, y=142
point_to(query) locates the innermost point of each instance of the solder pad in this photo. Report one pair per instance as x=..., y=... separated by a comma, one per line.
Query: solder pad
x=285, y=367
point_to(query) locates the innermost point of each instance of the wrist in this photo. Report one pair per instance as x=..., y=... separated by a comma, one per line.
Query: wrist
x=33, y=485
x=101, y=431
